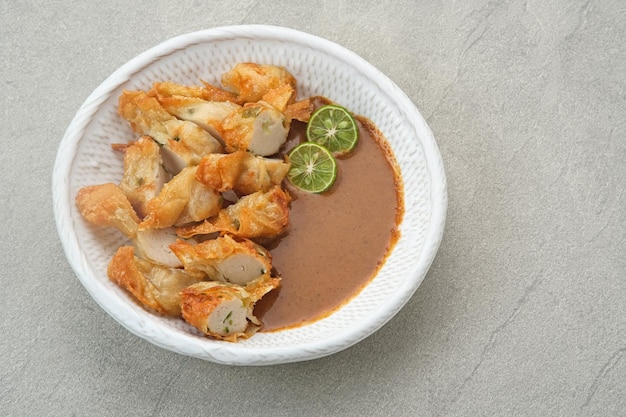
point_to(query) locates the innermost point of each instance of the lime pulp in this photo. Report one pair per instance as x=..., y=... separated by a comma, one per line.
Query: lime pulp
x=334, y=128
x=313, y=167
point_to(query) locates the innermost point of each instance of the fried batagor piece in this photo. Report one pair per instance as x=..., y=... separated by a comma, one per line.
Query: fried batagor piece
x=206, y=92
x=154, y=246
x=225, y=259
x=209, y=115
x=144, y=114
x=225, y=311
x=241, y=171
x=184, y=139
x=303, y=109
x=144, y=175
x=258, y=216
x=214, y=93
x=154, y=286
x=187, y=145
x=280, y=98
x=300, y=110
x=106, y=205
x=252, y=81
x=182, y=200
x=256, y=127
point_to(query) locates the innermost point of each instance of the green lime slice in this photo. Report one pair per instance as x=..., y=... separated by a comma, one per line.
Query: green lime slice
x=313, y=167
x=334, y=127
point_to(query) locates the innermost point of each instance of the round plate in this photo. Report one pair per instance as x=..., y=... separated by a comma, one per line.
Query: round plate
x=321, y=67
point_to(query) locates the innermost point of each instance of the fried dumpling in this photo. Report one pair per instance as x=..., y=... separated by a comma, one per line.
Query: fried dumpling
x=145, y=115
x=182, y=200
x=187, y=145
x=225, y=259
x=300, y=110
x=241, y=171
x=205, y=91
x=280, y=98
x=225, y=311
x=251, y=81
x=257, y=216
x=154, y=286
x=209, y=115
x=106, y=205
x=144, y=175
x=154, y=245
x=183, y=142
x=256, y=127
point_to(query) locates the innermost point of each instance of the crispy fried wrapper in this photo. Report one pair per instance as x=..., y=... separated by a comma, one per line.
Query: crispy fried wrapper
x=261, y=215
x=182, y=200
x=225, y=311
x=241, y=172
x=251, y=81
x=225, y=258
x=106, y=205
x=154, y=286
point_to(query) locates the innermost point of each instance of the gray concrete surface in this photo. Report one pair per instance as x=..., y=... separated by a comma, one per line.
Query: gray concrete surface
x=523, y=312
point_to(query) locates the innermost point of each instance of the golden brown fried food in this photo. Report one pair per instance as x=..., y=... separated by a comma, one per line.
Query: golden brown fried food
x=225, y=311
x=252, y=81
x=280, y=98
x=185, y=142
x=145, y=115
x=106, y=205
x=154, y=246
x=187, y=145
x=182, y=200
x=154, y=286
x=209, y=115
x=241, y=171
x=257, y=216
x=206, y=92
x=300, y=110
x=256, y=127
x=225, y=259
x=144, y=175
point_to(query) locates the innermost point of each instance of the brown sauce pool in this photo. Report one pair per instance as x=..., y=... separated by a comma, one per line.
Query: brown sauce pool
x=336, y=241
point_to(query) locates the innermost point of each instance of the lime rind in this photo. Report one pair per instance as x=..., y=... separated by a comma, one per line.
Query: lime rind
x=333, y=127
x=313, y=167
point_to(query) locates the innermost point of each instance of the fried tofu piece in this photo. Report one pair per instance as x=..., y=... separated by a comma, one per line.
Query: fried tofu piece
x=154, y=286
x=241, y=172
x=144, y=175
x=252, y=81
x=258, y=216
x=225, y=259
x=256, y=127
x=106, y=205
x=182, y=200
x=225, y=311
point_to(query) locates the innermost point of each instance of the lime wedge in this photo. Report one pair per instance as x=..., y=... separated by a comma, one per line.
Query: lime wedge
x=334, y=127
x=313, y=167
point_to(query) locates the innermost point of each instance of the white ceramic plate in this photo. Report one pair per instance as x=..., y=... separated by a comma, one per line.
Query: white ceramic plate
x=321, y=68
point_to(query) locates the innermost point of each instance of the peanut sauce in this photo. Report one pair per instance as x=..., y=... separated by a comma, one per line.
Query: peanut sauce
x=337, y=240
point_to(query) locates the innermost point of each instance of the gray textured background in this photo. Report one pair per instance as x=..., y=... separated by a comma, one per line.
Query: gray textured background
x=524, y=310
